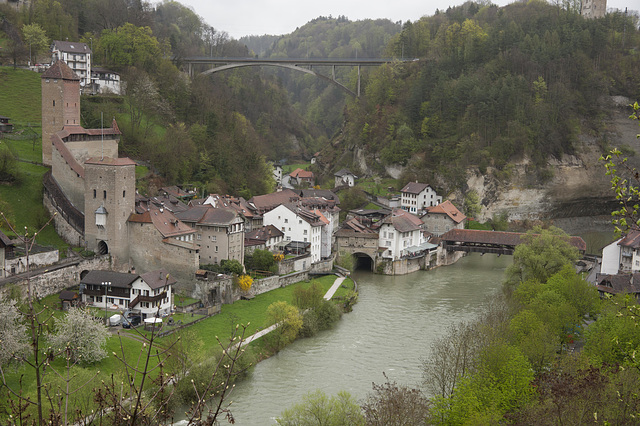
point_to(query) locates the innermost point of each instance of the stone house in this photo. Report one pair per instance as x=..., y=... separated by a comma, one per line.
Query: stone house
x=416, y=197
x=76, y=55
x=219, y=233
x=443, y=218
x=398, y=232
x=159, y=240
x=298, y=225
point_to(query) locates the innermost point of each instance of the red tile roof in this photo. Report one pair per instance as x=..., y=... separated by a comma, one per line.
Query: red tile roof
x=60, y=70
x=302, y=174
x=449, y=209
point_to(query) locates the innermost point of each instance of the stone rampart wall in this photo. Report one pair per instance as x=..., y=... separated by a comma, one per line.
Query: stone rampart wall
x=56, y=278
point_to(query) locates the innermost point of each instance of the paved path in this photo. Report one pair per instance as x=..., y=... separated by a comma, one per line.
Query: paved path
x=336, y=285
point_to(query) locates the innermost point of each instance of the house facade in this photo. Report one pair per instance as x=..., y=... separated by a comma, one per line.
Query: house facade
x=622, y=255
x=298, y=225
x=344, y=177
x=301, y=178
x=148, y=295
x=416, y=197
x=219, y=233
x=77, y=56
x=443, y=218
x=398, y=232
x=105, y=81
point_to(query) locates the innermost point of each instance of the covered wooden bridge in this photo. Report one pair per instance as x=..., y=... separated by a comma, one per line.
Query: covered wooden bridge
x=497, y=242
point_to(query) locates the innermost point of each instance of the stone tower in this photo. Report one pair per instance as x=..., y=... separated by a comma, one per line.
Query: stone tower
x=60, y=103
x=109, y=200
x=593, y=8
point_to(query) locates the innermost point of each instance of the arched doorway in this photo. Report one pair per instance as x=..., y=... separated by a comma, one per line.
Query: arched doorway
x=103, y=248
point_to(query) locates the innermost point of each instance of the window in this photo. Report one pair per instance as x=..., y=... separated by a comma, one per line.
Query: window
x=216, y=249
x=123, y=193
x=390, y=234
x=199, y=236
x=300, y=222
x=387, y=243
x=214, y=238
x=94, y=193
x=104, y=194
x=305, y=232
x=286, y=221
x=54, y=102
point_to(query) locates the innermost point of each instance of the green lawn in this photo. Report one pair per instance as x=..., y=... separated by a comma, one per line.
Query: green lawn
x=381, y=188
x=252, y=312
x=286, y=169
x=22, y=104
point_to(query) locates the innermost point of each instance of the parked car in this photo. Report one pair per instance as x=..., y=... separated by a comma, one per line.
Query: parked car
x=128, y=322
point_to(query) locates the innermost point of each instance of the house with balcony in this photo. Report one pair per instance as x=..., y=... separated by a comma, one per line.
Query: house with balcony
x=148, y=295
x=622, y=255
x=77, y=56
x=416, y=197
x=105, y=81
x=398, y=232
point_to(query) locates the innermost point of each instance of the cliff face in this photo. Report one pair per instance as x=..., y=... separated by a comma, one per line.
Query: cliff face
x=578, y=186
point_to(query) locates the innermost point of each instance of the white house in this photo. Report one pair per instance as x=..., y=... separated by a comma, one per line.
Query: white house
x=399, y=231
x=622, y=255
x=105, y=81
x=76, y=55
x=344, y=177
x=149, y=294
x=416, y=197
x=298, y=224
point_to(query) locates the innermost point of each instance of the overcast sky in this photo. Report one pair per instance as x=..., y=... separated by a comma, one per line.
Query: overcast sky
x=276, y=17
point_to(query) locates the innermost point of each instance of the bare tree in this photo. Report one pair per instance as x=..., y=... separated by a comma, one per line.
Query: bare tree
x=391, y=404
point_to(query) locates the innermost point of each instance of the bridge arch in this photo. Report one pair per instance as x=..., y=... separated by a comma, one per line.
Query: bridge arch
x=363, y=261
x=291, y=67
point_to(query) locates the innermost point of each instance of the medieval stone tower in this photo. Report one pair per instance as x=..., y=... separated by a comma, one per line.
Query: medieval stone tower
x=594, y=8
x=60, y=88
x=88, y=178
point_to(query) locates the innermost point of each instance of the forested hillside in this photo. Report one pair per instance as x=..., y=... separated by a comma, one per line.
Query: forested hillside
x=492, y=85
x=489, y=85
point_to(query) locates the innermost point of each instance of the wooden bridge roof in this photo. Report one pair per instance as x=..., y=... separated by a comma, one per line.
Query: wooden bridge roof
x=498, y=238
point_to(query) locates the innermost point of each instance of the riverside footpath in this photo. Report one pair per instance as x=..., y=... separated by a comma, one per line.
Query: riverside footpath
x=328, y=295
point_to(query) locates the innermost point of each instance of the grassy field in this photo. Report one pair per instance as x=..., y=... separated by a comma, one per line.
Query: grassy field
x=22, y=104
x=286, y=169
x=126, y=344
x=381, y=188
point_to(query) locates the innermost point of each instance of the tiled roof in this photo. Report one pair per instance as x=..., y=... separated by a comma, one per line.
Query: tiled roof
x=71, y=46
x=117, y=279
x=403, y=221
x=308, y=216
x=60, y=70
x=497, y=238
x=165, y=222
x=4, y=240
x=158, y=279
x=302, y=174
x=270, y=201
x=414, y=187
x=343, y=172
x=619, y=283
x=632, y=239
x=218, y=217
x=320, y=193
x=264, y=233
x=449, y=209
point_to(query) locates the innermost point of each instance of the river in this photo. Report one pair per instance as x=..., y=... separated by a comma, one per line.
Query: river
x=389, y=331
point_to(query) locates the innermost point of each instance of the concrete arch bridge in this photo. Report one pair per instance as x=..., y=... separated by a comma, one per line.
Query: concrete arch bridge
x=300, y=65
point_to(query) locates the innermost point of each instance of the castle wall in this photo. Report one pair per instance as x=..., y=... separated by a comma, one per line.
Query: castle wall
x=56, y=278
x=71, y=183
x=82, y=150
x=148, y=252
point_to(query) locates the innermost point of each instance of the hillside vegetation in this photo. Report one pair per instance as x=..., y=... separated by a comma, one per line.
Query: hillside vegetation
x=492, y=85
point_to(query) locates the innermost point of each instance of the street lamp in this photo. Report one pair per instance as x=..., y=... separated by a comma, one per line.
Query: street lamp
x=107, y=285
